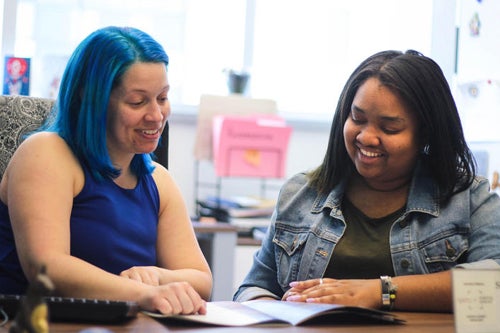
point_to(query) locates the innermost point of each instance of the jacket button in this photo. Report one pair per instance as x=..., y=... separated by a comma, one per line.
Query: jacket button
x=405, y=263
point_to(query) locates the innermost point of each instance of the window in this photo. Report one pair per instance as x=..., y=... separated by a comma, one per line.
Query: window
x=304, y=51
x=298, y=52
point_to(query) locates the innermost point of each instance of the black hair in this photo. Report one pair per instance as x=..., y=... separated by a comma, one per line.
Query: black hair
x=422, y=86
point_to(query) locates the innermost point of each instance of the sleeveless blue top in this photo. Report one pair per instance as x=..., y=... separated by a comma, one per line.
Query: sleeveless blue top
x=111, y=227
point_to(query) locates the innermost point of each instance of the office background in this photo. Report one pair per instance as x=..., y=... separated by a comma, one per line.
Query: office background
x=297, y=52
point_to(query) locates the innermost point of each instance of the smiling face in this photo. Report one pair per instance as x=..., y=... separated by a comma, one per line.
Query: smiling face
x=138, y=110
x=381, y=137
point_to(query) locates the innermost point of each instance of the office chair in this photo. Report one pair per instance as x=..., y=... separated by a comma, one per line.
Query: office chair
x=20, y=115
x=161, y=152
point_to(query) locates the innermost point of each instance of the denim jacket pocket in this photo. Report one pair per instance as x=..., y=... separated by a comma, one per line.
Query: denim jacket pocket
x=443, y=253
x=289, y=251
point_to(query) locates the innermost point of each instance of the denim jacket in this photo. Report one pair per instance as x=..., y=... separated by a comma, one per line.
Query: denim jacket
x=427, y=238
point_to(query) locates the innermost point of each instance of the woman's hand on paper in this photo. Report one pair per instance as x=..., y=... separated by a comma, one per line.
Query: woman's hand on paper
x=173, y=298
x=168, y=298
x=365, y=293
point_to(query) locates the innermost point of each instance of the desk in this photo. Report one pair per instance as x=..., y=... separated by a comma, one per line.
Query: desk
x=218, y=243
x=416, y=323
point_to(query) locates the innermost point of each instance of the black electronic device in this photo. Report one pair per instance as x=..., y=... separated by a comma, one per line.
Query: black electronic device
x=77, y=309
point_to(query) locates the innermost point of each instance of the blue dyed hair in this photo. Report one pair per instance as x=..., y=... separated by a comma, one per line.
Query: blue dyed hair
x=96, y=67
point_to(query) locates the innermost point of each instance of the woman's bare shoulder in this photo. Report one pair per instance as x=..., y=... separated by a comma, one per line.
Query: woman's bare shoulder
x=43, y=153
x=161, y=176
x=170, y=194
x=42, y=138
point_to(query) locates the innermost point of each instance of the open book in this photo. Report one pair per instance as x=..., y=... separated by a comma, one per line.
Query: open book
x=228, y=313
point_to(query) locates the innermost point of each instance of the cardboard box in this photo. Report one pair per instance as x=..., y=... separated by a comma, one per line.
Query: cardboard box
x=250, y=146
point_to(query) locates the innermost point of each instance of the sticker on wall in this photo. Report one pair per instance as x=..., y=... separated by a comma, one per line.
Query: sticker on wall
x=475, y=25
x=473, y=90
x=16, y=76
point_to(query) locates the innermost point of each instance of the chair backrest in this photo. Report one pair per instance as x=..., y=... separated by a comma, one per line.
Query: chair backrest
x=161, y=151
x=20, y=115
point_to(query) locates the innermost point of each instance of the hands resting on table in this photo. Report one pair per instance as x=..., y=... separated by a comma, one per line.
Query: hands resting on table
x=348, y=292
x=177, y=297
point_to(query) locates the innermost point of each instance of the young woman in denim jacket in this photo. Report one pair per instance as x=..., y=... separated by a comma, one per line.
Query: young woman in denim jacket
x=396, y=196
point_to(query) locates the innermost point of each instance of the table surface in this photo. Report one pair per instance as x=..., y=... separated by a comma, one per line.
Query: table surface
x=213, y=227
x=415, y=323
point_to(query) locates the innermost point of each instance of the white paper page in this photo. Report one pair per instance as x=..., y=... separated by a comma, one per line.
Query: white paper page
x=225, y=314
x=291, y=312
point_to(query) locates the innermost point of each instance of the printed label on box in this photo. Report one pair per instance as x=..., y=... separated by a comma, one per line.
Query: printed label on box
x=476, y=300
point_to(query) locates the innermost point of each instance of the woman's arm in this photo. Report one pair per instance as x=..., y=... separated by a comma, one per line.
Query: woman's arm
x=426, y=292
x=40, y=184
x=261, y=282
x=41, y=181
x=179, y=253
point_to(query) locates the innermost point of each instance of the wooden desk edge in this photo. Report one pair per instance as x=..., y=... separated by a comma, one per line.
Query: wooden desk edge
x=210, y=227
x=415, y=323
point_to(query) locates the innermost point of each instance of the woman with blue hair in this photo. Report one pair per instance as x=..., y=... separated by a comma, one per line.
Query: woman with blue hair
x=84, y=198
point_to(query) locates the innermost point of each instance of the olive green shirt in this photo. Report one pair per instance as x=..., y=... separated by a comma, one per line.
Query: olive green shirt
x=363, y=250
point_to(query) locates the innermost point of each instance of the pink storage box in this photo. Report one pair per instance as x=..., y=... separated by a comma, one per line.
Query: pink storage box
x=250, y=146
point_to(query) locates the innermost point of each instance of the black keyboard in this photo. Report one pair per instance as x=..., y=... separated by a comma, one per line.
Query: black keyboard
x=77, y=309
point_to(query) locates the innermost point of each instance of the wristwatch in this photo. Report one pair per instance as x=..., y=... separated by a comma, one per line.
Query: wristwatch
x=388, y=292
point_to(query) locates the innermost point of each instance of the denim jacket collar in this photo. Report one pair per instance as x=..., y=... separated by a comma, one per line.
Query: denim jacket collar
x=423, y=195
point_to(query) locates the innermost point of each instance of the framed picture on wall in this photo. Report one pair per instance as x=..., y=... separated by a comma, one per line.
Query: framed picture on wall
x=16, y=76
